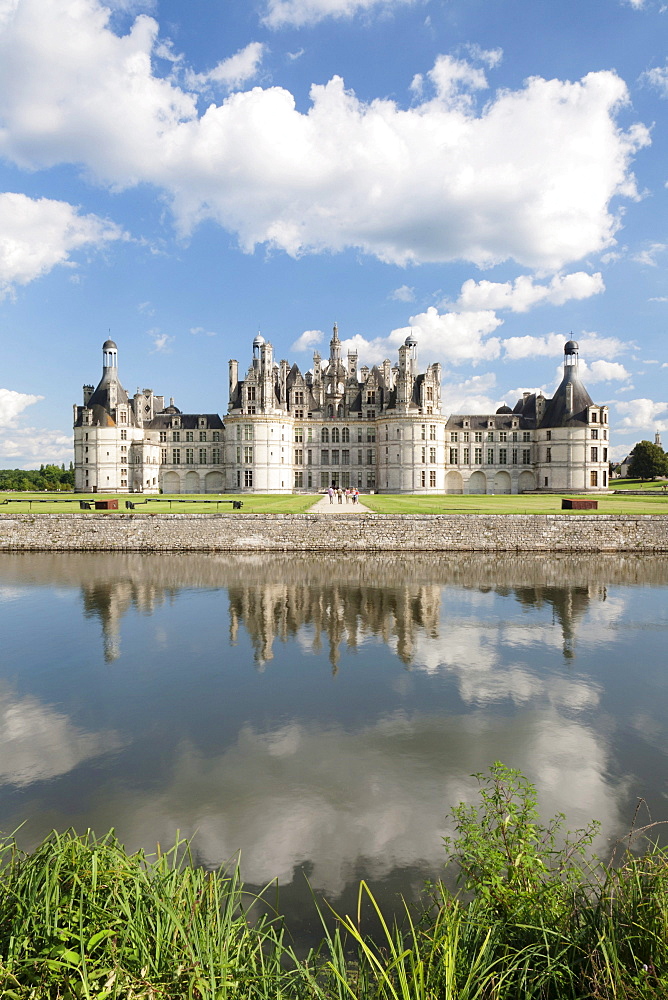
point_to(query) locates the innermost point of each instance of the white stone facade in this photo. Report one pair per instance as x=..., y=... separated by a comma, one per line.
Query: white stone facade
x=376, y=429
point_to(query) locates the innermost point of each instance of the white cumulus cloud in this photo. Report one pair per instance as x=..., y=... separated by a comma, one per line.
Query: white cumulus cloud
x=604, y=371
x=298, y=13
x=516, y=348
x=232, y=72
x=307, y=340
x=524, y=293
x=13, y=403
x=437, y=181
x=643, y=414
x=37, y=234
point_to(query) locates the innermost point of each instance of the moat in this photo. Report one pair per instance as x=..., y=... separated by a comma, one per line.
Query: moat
x=321, y=714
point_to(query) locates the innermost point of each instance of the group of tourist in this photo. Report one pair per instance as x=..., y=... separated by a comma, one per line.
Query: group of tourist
x=351, y=494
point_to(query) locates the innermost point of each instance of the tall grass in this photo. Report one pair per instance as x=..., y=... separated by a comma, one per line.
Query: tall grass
x=537, y=918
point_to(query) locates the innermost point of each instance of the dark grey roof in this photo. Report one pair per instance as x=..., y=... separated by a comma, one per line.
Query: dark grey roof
x=187, y=421
x=101, y=395
x=557, y=412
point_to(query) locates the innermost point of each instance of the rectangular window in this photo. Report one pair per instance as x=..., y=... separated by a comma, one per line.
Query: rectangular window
x=594, y=434
x=548, y=455
x=424, y=455
x=163, y=456
x=309, y=457
x=309, y=435
x=466, y=456
x=594, y=418
x=324, y=457
x=238, y=478
x=345, y=457
x=238, y=456
x=514, y=435
x=299, y=397
x=503, y=435
x=490, y=456
x=526, y=456
x=176, y=456
x=432, y=432
x=526, y=435
x=514, y=456
x=371, y=480
x=248, y=455
x=238, y=432
x=299, y=480
x=605, y=435
x=345, y=479
x=202, y=435
x=371, y=398
x=490, y=435
x=371, y=415
x=248, y=432
x=453, y=456
x=176, y=435
x=454, y=436
x=593, y=478
x=335, y=456
x=430, y=394
x=189, y=435
x=202, y=456
x=432, y=455
x=370, y=434
x=163, y=435
x=477, y=436
x=477, y=459
x=423, y=432
x=503, y=456
x=432, y=478
x=359, y=457
x=215, y=456
x=605, y=457
x=299, y=435
x=465, y=437
x=548, y=436
x=370, y=456
x=248, y=477
x=251, y=393
x=299, y=456
x=124, y=435
x=594, y=454
x=216, y=435
x=324, y=479
x=190, y=456
x=423, y=479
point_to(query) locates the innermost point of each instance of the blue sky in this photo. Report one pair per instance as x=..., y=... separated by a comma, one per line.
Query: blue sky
x=183, y=173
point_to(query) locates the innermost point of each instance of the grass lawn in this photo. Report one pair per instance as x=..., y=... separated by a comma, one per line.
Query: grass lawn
x=522, y=504
x=253, y=503
x=382, y=504
x=637, y=484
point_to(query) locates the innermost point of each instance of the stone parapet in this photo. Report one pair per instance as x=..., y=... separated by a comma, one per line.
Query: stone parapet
x=184, y=532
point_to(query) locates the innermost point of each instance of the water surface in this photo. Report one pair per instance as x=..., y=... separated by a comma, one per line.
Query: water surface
x=322, y=714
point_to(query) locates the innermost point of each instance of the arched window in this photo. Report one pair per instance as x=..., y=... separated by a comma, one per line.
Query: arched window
x=324, y=435
x=339, y=410
x=345, y=435
x=335, y=435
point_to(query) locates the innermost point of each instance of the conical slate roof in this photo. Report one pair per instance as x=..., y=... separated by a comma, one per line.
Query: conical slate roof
x=558, y=413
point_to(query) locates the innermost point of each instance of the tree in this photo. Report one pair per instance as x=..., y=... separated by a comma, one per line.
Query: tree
x=647, y=461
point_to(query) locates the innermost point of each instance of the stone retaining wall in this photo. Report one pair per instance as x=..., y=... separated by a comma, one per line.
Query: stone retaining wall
x=136, y=532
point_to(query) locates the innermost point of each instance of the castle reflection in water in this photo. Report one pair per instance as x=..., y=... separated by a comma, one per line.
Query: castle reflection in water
x=337, y=602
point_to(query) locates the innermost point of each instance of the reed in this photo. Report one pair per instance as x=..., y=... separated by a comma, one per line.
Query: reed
x=538, y=917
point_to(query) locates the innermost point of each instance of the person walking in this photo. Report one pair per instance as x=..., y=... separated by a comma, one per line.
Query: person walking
x=330, y=494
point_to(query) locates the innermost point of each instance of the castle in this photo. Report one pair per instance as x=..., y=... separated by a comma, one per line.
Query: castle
x=378, y=428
